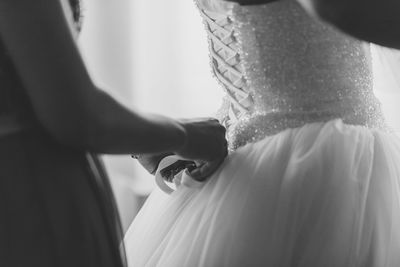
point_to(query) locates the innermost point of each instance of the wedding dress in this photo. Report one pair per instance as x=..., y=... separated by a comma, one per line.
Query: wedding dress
x=313, y=176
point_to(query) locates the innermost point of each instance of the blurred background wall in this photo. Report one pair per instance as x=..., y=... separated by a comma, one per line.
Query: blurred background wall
x=152, y=56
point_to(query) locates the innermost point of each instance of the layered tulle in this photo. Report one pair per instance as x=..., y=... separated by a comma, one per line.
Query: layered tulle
x=325, y=194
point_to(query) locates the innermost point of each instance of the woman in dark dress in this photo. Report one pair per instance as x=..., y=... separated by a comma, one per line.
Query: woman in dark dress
x=56, y=207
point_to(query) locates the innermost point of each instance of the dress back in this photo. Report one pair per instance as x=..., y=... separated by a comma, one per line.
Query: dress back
x=282, y=69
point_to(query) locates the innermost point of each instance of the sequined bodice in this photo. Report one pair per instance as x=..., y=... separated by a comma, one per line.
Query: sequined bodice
x=282, y=69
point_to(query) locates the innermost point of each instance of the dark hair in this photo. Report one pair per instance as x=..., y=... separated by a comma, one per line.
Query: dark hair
x=76, y=12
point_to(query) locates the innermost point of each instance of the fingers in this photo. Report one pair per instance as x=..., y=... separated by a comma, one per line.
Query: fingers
x=151, y=161
x=205, y=140
x=224, y=149
x=169, y=172
x=204, y=170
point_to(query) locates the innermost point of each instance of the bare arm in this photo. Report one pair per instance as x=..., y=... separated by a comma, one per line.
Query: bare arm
x=376, y=21
x=71, y=107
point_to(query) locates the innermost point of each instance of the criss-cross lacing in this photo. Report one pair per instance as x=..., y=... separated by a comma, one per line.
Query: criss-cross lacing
x=225, y=61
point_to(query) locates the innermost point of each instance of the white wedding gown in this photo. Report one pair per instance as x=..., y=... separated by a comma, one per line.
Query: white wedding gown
x=313, y=176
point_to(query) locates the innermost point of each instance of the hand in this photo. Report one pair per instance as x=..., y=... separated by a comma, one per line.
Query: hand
x=205, y=145
x=203, y=170
x=151, y=161
x=199, y=171
x=169, y=172
x=204, y=140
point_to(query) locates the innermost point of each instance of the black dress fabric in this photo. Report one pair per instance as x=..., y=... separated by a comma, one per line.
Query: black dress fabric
x=56, y=205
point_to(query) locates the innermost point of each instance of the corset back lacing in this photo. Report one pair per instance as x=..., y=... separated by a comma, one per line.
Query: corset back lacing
x=225, y=62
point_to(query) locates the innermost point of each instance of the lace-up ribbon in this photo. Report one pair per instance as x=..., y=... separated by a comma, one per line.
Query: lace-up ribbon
x=225, y=62
x=180, y=179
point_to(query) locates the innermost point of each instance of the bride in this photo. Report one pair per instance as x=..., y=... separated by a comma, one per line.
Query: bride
x=313, y=177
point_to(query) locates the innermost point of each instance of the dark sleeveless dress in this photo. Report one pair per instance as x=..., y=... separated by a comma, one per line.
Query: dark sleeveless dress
x=56, y=206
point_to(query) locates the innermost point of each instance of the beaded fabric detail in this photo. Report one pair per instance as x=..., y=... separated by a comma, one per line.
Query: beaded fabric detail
x=282, y=69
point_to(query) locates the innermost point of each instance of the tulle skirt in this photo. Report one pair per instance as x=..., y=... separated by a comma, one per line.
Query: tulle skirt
x=326, y=194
